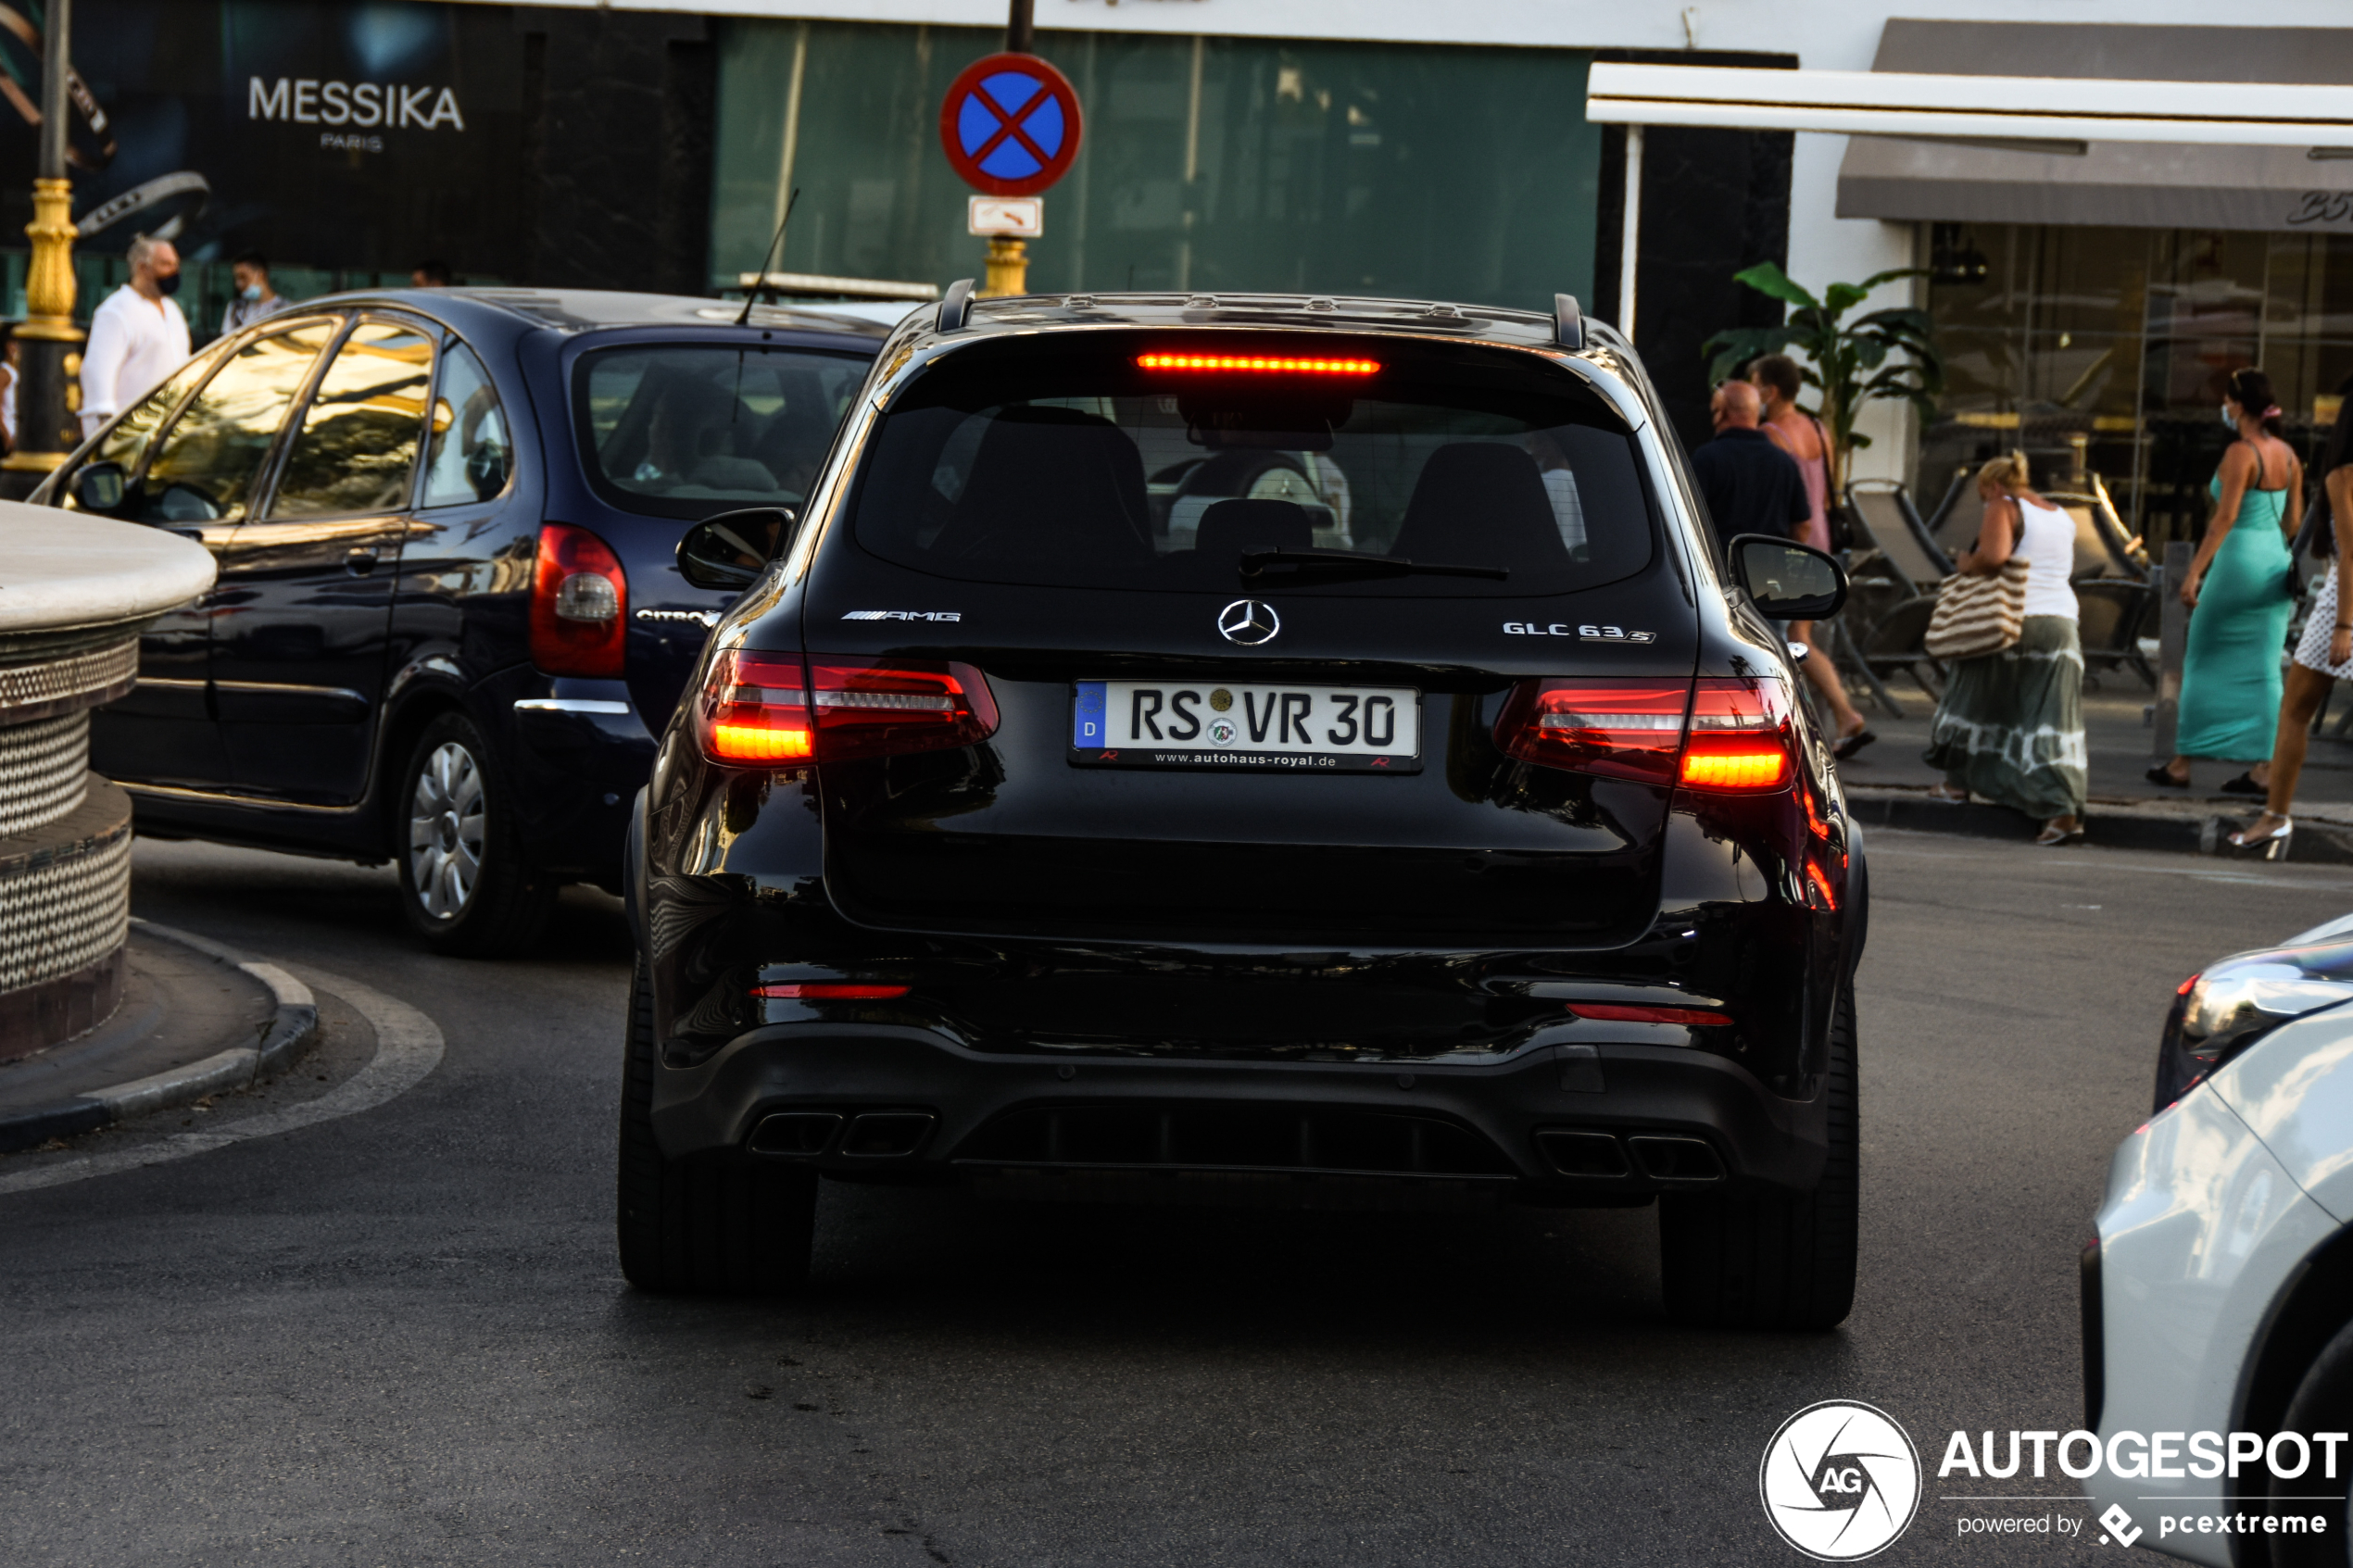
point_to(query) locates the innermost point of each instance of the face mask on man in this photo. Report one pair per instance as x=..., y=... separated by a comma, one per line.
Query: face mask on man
x=250, y=292
x=168, y=284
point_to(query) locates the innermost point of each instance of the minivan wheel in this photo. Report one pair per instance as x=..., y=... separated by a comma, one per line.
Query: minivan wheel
x=464, y=884
x=719, y=1223
x=1773, y=1262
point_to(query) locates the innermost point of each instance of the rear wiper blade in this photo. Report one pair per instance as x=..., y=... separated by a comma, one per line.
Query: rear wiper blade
x=1357, y=563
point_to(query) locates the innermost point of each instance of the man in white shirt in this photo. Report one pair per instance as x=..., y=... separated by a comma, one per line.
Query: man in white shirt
x=138, y=336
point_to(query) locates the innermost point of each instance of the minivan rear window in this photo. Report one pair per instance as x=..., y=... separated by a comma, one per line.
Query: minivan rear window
x=1155, y=461
x=689, y=430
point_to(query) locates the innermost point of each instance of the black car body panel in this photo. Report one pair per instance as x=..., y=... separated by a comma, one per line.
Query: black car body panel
x=1135, y=970
x=271, y=713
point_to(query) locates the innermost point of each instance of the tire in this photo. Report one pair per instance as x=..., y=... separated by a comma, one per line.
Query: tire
x=2323, y=1402
x=465, y=887
x=719, y=1224
x=1773, y=1262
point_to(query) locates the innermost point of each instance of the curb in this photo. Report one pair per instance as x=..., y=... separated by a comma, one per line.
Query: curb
x=2108, y=825
x=291, y=1028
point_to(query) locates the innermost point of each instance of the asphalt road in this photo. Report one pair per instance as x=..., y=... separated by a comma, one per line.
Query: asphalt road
x=398, y=1337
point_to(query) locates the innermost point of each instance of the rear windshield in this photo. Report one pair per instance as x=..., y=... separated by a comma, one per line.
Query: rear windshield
x=1117, y=460
x=690, y=429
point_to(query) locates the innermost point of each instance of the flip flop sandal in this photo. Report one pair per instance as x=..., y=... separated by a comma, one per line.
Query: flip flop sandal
x=1853, y=744
x=2158, y=776
x=2051, y=838
x=2244, y=785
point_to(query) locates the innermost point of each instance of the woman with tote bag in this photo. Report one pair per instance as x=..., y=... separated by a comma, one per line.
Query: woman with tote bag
x=2010, y=726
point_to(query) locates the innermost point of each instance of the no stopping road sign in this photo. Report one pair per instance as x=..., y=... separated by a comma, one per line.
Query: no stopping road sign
x=1009, y=125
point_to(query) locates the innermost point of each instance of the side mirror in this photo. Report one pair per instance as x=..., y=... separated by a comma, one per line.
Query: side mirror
x=1787, y=581
x=730, y=550
x=99, y=487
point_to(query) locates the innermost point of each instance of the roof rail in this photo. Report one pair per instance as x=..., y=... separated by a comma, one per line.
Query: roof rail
x=956, y=305
x=1568, y=322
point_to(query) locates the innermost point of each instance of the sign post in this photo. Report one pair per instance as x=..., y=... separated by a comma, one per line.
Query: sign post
x=1010, y=126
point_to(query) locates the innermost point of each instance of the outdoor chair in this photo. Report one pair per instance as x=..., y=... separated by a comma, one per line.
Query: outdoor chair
x=2112, y=612
x=1953, y=525
x=2102, y=547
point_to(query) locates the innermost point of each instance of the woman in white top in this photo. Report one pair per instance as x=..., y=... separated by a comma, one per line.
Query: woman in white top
x=2010, y=727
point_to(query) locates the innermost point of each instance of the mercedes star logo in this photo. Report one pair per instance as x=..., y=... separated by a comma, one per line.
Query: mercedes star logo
x=1248, y=622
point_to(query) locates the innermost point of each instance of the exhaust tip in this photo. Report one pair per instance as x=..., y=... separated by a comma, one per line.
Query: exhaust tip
x=1686, y=1161
x=886, y=1135
x=795, y=1133
x=1592, y=1155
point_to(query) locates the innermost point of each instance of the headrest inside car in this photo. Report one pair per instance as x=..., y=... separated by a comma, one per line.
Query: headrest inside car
x=1230, y=527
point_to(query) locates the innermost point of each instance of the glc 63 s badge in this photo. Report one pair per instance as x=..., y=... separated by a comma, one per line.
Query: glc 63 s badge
x=1582, y=634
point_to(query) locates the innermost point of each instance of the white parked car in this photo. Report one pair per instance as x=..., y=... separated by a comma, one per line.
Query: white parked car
x=2218, y=1294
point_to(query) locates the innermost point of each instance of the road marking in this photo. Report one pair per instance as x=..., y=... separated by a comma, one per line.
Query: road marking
x=409, y=1046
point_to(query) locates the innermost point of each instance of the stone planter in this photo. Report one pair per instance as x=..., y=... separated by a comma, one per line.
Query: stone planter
x=74, y=591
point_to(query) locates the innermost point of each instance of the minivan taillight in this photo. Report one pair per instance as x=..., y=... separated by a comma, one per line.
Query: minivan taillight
x=1712, y=734
x=765, y=710
x=579, y=603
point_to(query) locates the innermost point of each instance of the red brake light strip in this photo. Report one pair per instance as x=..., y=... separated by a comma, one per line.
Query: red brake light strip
x=1616, y=1012
x=1258, y=363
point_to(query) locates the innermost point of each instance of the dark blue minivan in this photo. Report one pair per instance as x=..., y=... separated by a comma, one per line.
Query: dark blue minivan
x=449, y=623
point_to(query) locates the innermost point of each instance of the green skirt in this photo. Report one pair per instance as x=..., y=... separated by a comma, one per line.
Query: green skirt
x=2011, y=725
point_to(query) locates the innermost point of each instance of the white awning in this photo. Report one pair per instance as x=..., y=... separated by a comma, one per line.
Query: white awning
x=2011, y=108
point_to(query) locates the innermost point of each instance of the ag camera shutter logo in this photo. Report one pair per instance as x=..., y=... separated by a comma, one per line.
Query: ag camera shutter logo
x=1840, y=1481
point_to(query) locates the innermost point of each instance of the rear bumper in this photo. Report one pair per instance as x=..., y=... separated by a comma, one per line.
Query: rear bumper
x=985, y=1109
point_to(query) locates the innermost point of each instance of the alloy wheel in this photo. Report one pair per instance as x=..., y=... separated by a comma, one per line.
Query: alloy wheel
x=445, y=831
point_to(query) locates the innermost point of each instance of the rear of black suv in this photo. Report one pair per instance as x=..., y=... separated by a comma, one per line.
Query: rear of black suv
x=1285, y=755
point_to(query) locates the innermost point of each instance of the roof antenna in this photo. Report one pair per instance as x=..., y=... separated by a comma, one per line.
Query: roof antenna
x=751, y=295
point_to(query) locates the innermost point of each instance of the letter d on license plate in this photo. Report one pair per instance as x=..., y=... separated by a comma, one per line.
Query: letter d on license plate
x=1206, y=724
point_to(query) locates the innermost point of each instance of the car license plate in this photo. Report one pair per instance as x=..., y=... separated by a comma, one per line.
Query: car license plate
x=1206, y=724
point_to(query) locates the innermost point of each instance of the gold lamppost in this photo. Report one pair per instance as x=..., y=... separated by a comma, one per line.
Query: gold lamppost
x=50, y=357
x=1008, y=271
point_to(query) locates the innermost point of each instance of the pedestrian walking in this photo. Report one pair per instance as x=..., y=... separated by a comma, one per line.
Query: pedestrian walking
x=137, y=338
x=430, y=275
x=1799, y=434
x=2324, y=654
x=2241, y=593
x=256, y=299
x=10, y=376
x=2010, y=725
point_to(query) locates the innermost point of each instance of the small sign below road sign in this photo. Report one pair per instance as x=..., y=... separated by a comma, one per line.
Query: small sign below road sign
x=1021, y=216
x=1009, y=125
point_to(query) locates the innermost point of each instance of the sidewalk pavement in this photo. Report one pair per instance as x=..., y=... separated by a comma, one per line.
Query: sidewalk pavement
x=195, y=1020
x=1887, y=782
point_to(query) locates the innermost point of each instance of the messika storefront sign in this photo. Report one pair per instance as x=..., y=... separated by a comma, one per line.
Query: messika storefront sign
x=305, y=101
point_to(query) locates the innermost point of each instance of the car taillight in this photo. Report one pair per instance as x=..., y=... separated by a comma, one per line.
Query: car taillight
x=579, y=603
x=875, y=708
x=1615, y=1012
x=1618, y=729
x=776, y=710
x=1740, y=737
x=829, y=991
x=1712, y=734
x=755, y=709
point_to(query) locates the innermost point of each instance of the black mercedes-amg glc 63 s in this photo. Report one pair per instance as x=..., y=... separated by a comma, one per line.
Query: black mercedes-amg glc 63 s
x=1274, y=748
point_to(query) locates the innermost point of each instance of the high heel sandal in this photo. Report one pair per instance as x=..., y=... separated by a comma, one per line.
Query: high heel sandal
x=2271, y=845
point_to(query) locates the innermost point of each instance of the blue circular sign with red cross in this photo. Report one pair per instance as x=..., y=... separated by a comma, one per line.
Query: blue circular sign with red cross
x=1010, y=126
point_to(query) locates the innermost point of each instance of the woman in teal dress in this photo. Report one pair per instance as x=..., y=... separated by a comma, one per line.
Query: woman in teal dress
x=2237, y=589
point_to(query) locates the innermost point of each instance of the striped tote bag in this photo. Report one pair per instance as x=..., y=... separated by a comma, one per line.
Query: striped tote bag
x=1977, y=615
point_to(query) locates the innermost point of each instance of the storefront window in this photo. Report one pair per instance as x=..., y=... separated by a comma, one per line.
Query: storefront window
x=1209, y=163
x=2102, y=353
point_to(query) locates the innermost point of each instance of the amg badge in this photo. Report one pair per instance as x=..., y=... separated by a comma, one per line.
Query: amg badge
x=1582, y=634
x=904, y=615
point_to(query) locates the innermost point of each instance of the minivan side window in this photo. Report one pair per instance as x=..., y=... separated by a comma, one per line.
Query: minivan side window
x=204, y=467
x=471, y=453
x=356, y=450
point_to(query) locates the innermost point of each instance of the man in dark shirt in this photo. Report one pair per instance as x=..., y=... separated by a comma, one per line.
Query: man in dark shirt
x=1750, y=485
